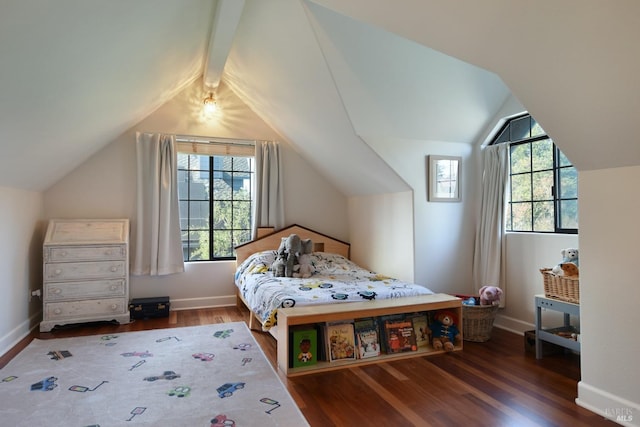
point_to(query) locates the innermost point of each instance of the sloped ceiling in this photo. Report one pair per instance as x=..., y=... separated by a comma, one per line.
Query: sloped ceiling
x=327, y=82
x=573, y=64
x=326, y=74
x=75, y=74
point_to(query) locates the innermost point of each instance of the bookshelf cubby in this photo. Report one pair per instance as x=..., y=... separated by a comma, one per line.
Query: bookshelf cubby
x=309, y=315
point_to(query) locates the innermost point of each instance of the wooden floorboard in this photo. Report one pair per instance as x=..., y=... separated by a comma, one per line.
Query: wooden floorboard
x=496, y=383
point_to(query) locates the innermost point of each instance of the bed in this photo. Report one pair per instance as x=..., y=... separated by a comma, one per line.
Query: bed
x=336, y=279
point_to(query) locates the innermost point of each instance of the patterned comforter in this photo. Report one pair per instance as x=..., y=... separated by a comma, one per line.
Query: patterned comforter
x=335, y=280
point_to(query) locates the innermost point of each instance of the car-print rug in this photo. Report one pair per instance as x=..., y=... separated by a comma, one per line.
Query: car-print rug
x=214, y=375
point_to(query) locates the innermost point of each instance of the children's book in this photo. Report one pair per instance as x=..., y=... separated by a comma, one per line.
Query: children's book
x=382, y=321
x=400, y=336
x=421, y=329
x=341, y=341
x=303, y=346
x=367, y=337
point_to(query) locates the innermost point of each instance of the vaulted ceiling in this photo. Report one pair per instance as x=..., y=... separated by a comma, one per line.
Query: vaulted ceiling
x=326, y=74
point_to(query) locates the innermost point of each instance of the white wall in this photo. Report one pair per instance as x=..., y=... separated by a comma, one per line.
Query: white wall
x=22, y=230
x=105, y=186
x=381, y=229
x=526, y=254
x=609, y=292
x=443, y=232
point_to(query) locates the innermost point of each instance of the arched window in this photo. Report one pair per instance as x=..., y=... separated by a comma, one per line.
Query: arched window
x=543, y=184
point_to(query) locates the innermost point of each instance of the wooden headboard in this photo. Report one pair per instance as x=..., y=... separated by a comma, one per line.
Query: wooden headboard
x=271, y=241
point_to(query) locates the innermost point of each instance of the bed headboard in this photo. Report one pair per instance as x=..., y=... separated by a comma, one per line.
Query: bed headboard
x=271, y=241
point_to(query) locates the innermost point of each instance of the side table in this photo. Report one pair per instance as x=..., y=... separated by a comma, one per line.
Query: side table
x=548, y=335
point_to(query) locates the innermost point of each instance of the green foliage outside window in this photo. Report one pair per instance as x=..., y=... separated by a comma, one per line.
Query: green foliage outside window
x=543, y=190
x=214, y=219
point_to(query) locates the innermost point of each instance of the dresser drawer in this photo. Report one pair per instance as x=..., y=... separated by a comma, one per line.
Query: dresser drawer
x=85, y=309
x=87, y=289
x=84, y=253
x=57, y=272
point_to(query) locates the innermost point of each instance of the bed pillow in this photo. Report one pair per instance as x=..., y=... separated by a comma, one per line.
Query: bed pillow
x=329, y=263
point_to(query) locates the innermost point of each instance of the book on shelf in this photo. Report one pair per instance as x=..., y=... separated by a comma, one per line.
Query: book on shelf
x=303, y=346
x=367, y=337
x=400, y=336
x=321, y=329
x=340, y=339
x=382, y=321
x=421, y=328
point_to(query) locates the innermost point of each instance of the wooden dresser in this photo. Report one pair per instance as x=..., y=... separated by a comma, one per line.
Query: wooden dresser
x=85, y=272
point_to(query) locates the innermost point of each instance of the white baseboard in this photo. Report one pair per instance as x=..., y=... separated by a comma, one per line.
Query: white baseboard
x=608, y=405
x=18, y=333
x=204, y=302
x=512, y=325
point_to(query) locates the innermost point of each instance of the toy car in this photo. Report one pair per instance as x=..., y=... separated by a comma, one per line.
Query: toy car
x=205, y=357
x=227, y=389
x=181, y=391
x=167, y=375
x=222, y=421
x=243, y=347
x=46, y=384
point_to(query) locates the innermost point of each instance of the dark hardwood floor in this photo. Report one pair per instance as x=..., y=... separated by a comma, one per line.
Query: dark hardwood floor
x=496, y=383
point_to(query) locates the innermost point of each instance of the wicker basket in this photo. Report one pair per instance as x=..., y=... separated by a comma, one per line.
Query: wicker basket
x=561, y=287
x=477, y=322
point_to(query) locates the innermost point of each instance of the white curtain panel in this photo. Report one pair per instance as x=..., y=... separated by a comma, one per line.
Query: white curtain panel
x=489, y=252
x=269, y=204
x=158, y=248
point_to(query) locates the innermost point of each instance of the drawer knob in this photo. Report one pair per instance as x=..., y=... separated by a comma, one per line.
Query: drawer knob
x=57, y=291
x=114, y=306
x=113, y=287
x=57, y=311
x=57, y=272
x=114, y=268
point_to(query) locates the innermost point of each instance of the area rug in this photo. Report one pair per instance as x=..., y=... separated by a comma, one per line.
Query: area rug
x=214, y=375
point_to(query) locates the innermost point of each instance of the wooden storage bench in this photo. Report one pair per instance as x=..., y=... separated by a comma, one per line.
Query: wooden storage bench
x=308, y=315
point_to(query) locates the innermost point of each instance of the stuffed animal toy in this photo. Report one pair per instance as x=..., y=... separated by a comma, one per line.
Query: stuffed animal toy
x=293, y=249
x=444, y=331
x=490, y=295
x=279, y=264
x=305, y=268
x=569, y=269
x=568, y=255
x=306, y=246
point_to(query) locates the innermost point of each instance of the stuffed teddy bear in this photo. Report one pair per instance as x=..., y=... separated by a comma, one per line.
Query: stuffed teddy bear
x=568, y=255
x=305, y=267
x=444, y=331
x=569, y=269
x=490, y=295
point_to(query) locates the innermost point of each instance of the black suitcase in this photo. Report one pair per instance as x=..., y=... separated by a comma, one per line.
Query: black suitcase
x=141, y=308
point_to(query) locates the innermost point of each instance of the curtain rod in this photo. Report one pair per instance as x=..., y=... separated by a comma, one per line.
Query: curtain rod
x=209, y=139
